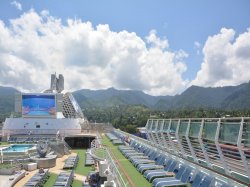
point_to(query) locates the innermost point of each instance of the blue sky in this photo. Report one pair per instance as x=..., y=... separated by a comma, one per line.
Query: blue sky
x=180, y=23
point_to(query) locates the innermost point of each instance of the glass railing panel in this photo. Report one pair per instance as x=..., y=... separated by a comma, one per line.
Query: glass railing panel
x=166, y=125
x=229, y=132
x=153, y=127
x=183, y=128
x=159, y=126
x=246, y=134
x=148, y=125
x=173, y=126
x=209, y=130
x=194, y=129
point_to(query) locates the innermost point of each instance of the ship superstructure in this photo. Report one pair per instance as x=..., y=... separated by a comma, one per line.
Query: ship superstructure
x=49, y=112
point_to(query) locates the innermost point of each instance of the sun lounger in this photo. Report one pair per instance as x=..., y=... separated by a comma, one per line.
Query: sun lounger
x=38, y=179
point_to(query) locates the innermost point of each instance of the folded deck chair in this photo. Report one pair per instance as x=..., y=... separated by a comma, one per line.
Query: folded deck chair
x=144, y=167
x=142, y=161
x=167, y=173
x=166, y=168
x=181, y=178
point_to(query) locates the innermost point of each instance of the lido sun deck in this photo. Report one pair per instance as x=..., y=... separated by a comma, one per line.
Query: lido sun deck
x=50, y=138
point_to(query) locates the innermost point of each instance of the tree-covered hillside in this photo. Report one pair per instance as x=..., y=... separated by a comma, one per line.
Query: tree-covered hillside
x=195, y=97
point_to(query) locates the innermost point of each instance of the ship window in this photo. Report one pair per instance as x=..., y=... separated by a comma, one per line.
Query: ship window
x=37, y=126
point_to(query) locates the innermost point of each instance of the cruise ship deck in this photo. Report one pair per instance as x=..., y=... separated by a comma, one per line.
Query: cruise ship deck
x=64, y=149
x=177, y=152
x=218, y=148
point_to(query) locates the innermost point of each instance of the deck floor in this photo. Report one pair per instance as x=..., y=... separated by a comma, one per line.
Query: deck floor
x=135, y=176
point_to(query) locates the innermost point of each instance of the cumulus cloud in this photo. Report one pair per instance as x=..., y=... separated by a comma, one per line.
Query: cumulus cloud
x=197, y=44
x=226, y=59
x=35, y=45
x=155, y=41
x=17, y=5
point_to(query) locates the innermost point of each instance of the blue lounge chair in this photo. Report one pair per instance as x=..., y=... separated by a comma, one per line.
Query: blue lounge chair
x=144, y=167
x=181, y=178
x=170, y=161
x=172, y=168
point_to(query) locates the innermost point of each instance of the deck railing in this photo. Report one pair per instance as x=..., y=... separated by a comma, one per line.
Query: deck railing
x=116, y=174
x=101, y=152
x=221, y=145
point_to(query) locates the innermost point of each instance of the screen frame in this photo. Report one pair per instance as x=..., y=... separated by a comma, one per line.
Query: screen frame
x=39, y=94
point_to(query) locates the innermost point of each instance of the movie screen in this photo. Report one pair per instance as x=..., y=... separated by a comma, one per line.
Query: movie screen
x=38, y=105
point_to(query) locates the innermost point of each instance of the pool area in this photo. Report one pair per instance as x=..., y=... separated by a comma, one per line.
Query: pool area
x=18, y=148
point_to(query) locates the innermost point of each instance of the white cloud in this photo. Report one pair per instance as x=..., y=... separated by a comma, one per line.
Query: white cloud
x=17, y=5
x=197, y=44
x=226, y=59
x=35, y=45
x=155, y=41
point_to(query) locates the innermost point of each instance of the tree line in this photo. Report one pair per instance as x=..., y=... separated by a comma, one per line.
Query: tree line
x=128, y=118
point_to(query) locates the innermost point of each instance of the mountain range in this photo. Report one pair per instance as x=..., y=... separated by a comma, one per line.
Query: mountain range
x=227, y=97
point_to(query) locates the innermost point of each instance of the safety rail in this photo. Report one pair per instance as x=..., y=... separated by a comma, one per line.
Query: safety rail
x=207, y=142
x=116, y=175
x=219, y=143
x=101, y=153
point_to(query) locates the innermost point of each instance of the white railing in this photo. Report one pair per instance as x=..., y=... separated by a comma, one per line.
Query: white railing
x=117, y=176
x=104, y=154
x=220, y=144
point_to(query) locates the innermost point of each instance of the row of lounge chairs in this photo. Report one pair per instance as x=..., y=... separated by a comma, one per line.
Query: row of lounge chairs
x=64, y=179
x=26, y=139
x=111, y=136
x=38, y=179
x=71, y=162
x=89, y=161
x=163, y=170
x=115, y=140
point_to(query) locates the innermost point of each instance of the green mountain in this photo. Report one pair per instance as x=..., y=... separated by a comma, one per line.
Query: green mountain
x=239, y=99
x=199, y=97
x=228, y=97
x=112, y=97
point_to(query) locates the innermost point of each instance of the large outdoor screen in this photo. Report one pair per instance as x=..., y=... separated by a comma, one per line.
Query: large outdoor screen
x=38, y=105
